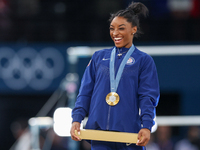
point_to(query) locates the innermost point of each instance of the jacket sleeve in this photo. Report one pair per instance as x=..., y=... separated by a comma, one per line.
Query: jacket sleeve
x=85, y=92
x=148, y=91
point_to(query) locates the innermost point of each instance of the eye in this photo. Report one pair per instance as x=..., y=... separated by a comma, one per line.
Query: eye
x=121, y=28
x=111, y=29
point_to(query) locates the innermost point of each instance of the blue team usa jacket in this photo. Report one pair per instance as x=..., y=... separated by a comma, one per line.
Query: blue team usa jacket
x=138, y=89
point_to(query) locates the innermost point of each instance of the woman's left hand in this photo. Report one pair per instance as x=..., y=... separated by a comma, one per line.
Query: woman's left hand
x=143, y=137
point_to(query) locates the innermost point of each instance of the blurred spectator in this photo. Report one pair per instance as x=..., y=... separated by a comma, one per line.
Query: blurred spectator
x=195, y=12
x=21, y=133
x=195, y=20
x=27, y=8
x=84, y=145
x=159, y=9
x=164, y=141
x=53, y=141
x=191, y=142
x=5, y=20
x=180, y=12
x=152, y=145
x=180, y=9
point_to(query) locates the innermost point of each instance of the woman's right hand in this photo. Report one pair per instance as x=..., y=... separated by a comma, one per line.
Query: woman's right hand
x=75, y=126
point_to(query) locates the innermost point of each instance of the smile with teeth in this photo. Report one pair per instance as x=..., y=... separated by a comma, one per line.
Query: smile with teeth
x=117, y=39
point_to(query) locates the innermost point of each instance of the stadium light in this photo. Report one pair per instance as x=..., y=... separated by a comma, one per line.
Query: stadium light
x=63, y=121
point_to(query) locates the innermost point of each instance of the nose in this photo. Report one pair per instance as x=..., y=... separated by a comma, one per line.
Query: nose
x=115, y=32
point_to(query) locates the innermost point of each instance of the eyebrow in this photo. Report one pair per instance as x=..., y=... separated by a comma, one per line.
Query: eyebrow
x=122, y=25
x=119, y=25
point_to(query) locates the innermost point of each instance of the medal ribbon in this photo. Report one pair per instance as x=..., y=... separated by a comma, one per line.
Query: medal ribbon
x=115, y=82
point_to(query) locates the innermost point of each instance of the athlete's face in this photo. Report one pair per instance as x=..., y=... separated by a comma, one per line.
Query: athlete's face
x=121, y=32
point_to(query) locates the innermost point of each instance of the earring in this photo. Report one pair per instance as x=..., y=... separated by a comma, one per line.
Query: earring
x=133, y=33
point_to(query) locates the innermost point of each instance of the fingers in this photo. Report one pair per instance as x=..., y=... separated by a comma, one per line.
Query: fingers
x=75, y=126
x=143, y=137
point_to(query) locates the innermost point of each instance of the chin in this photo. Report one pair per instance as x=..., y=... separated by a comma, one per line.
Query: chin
x=119, y=45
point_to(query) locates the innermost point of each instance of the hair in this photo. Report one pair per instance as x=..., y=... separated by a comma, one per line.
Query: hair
x=132, y=14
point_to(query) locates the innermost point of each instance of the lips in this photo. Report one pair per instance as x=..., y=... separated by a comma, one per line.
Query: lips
x=117, y=40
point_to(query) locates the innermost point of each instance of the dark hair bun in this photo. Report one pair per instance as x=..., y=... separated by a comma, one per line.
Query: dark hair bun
x=138, y=8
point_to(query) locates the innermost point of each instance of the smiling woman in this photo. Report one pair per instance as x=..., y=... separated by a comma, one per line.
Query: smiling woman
x=119, y=89
x=122, y=32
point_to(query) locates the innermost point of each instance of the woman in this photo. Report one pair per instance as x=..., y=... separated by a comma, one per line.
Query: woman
x=119, y=89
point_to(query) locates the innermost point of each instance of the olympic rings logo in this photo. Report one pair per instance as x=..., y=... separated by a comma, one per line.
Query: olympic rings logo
x=30, y=68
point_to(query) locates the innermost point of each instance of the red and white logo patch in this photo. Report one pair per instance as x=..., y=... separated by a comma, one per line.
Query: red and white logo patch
x=130, y=61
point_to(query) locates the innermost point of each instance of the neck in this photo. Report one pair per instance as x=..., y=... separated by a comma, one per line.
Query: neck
x=125, y=46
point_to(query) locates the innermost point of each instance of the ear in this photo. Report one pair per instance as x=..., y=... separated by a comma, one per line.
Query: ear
x=134, y=29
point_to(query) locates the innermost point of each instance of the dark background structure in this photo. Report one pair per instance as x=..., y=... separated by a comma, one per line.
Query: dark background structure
x=87, y=20
x=65, y=23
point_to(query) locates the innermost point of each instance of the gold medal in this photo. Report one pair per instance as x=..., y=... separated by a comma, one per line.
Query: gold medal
x=112, y=98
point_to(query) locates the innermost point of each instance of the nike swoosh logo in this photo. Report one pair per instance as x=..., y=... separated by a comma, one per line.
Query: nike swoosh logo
x=105, y=58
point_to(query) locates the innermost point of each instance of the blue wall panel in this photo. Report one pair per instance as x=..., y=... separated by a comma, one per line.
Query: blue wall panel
x=181, y=74
x=32, y=68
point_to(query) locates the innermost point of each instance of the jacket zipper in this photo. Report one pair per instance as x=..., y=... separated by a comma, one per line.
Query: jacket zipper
x=108, y=120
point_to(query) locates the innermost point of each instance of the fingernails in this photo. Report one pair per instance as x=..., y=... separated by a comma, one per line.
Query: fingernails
x=137, y=142
x=79, y=133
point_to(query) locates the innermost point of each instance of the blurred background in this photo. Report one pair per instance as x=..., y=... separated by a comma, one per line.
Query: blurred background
x=35, y=69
